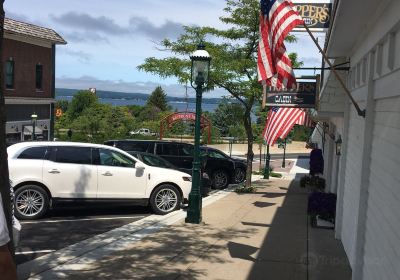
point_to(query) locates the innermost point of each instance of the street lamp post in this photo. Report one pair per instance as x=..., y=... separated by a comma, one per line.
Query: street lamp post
x=199, y=78
x=34, y=118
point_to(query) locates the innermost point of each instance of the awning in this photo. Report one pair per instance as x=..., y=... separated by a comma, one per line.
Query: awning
x=28, y=130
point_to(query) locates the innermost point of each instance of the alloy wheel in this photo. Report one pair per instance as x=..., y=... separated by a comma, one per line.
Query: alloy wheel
x=29, y=202
x=166, y=200
x=220, y=179
x=240, y=175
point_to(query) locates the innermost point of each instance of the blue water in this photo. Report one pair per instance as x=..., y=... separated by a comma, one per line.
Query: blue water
x=176, y=105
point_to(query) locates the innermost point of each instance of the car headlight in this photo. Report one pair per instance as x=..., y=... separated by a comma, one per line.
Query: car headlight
x=187, y=178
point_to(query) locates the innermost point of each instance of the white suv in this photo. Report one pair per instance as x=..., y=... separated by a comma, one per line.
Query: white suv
x=46, y=173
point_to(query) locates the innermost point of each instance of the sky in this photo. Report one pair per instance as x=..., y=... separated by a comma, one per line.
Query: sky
x=107, y=40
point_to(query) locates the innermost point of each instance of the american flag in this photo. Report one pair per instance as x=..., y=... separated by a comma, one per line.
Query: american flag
x=280, y=121
x=305, y=120
x=277, y=19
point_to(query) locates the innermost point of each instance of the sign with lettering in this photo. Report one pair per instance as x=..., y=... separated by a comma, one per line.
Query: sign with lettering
x=302, y=97
x=316, y=16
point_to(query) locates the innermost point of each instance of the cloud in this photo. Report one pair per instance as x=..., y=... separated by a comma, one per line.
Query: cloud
x=86, y=82
x=82, y=56
x=86, y=22
x=83, y=37
x=84, y=27
x=168, y=29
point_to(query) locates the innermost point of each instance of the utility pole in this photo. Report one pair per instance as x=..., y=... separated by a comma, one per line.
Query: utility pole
x=4, y=180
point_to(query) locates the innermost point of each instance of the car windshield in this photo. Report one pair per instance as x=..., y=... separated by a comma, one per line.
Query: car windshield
x=156, y=161
x=214, y=154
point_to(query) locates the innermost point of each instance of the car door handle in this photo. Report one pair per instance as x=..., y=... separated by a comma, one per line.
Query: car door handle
x=106, y=173
x=54, y=171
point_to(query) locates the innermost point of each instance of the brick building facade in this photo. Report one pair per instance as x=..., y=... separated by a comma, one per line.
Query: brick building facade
x=29, y=80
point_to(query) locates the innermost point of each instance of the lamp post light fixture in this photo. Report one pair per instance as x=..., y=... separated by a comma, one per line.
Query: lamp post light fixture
x=338, y=143
x=34, y=118
x=198, y=79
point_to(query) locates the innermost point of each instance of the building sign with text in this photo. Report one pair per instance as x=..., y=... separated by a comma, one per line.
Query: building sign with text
x=316, y=16
x=303, y=97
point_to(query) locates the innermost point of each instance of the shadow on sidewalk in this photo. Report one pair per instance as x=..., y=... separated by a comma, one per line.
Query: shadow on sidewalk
x=165, y=255
x=291, y=249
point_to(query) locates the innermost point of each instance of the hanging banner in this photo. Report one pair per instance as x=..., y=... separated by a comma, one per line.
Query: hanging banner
x=305, y=96
x=316, y=16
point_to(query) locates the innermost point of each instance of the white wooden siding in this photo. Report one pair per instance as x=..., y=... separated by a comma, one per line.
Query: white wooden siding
x=382, y=236
x=352, y=183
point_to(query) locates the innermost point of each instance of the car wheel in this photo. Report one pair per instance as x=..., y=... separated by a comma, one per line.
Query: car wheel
x=220, y=179
x=240, y=175
x=165, y=199
x=31, y=202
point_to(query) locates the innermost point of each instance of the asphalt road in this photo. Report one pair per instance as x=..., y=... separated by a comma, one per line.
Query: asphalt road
x=66, y=226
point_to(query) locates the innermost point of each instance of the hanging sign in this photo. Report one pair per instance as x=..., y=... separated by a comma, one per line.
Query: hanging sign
x=305, y=96
x=316, y=16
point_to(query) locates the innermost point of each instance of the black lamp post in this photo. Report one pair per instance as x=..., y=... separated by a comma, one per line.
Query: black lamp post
x=34, y=118
x=199, y=78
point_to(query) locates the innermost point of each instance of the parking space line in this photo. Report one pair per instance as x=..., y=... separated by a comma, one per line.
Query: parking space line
x=81, y=220
x=34, y=252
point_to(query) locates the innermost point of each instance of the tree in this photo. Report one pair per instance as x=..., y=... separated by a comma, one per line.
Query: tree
x=234, y=59
x=227, y=115
x=62, y=104
x=158, y=99
x=81, y=100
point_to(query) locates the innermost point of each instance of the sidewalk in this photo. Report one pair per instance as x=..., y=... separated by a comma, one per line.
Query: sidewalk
x=265, y=235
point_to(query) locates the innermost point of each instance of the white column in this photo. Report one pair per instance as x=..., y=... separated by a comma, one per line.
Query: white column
x=365, y=170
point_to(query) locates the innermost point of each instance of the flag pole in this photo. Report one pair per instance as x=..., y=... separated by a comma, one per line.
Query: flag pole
x=263, y=106
x=264, y=98
x=359, y=111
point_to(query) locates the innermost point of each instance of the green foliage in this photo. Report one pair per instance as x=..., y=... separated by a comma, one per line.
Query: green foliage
x=274, y=174
x=81, y=100
x=228, y=117
x=62, y=104
x=245, y=189
x=158, y=99
x=300, y=133
x=134, y=110
x=234, y=57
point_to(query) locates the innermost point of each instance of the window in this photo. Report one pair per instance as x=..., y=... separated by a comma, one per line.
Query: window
x=156, y=161
x=113, y=158
x=186, y=150
x=215, y=154
x=33, y=153
x=10, y=74
x=78, y=155
x=135, y=146
x=39, y=76
x=168, y=149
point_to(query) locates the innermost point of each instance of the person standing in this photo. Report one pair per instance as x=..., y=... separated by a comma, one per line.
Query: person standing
x=7, y=267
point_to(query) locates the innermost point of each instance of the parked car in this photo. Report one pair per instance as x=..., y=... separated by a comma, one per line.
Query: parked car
x=221, y=169
x=154, y=160
x=48, y=173
x=142, y=131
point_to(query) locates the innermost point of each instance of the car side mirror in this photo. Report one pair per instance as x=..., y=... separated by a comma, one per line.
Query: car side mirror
x=139, y=169
x=139, y=166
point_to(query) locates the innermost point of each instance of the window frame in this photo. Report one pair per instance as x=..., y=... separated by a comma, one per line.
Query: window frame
x=55, y=151
x=9, y=75
x=37, y=74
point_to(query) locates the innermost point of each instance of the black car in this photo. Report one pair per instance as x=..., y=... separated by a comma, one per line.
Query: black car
x=221, y=169
x=154, y=160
